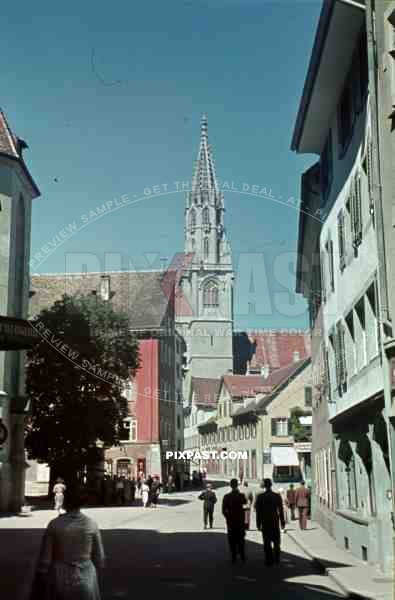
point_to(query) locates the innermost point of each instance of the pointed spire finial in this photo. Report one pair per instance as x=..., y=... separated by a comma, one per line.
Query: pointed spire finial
x=203, y=126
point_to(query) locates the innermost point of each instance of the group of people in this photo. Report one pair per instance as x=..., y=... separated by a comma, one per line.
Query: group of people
x=271, y=510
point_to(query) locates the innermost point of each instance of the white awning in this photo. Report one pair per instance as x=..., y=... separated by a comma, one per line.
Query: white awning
x=284, y=456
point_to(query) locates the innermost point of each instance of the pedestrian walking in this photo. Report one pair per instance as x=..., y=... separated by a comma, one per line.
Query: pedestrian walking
x=250, y=499
x=71, y=556
x=120, y=491
x=283, y=496
x=58, y=491
x=127, y=492
x=155, y=491
x=132, y=490
x=269, y=517
x=209, y=501
x=145, y=494
x=291, y=499
x=302, y=498
x=233, y=506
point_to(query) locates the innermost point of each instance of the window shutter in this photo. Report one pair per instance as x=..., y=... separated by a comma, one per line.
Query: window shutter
x=331, y=266
x=342, y=354
x=327, y=377
x=323, y=279
x=336, y=346
x=341, y=233
x=369, y=168
x=357, y=212
x=274, y=427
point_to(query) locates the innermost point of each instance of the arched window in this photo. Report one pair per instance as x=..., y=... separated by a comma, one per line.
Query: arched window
x=210, y=294
x=192, y=218
x=206, y=216
x=206, y=248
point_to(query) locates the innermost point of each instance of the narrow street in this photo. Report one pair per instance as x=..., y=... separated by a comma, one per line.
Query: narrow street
x=166, y=551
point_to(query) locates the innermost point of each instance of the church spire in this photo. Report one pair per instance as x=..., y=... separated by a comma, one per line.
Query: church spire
x=204, y=209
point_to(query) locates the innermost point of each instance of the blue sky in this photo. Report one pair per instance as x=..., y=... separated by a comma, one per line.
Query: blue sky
x=243, y=62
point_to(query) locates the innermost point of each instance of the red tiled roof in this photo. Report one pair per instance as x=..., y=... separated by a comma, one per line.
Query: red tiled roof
x=276, y=349
x=246, y=385
x=206, y=391
x=249, y=385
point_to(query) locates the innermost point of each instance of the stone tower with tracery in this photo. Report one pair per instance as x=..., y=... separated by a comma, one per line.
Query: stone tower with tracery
x=208, y=282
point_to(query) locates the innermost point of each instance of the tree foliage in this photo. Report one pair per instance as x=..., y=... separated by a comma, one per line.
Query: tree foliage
x=300, y=433
x=75, y=378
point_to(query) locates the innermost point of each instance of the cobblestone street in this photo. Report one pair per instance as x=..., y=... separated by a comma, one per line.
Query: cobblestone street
x=166, y=551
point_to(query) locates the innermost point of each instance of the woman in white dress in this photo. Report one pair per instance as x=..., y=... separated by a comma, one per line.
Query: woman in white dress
x=145, y=493
x=70, y=556
x=58, y=491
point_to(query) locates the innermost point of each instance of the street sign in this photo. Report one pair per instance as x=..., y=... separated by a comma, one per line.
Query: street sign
x=3, y=433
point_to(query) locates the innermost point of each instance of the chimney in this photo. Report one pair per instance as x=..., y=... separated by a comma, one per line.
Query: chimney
x=296, y=356
x=265, y=371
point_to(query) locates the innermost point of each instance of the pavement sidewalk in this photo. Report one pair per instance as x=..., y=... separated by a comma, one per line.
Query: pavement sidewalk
x=355, y=578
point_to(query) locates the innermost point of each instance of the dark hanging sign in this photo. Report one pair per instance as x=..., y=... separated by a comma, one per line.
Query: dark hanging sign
x=17, y=334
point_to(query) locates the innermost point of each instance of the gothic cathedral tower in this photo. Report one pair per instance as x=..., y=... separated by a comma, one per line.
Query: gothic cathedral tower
x=208, y=282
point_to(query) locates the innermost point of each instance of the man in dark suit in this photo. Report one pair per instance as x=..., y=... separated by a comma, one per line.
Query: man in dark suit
x=234, y=505
x=209, y=500
x=269, y=517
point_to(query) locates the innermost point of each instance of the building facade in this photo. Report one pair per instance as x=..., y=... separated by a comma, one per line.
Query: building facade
x=352, y=469
x=153, y=395
x=253, y=416
x=17, y=190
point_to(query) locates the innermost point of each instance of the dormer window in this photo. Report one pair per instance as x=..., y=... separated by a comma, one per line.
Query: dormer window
x=105, y=287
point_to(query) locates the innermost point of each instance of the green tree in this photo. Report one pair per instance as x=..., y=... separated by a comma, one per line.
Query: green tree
x=75, y=378
x=299, y=432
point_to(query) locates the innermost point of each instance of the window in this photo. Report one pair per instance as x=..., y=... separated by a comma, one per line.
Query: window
x=345, y=118
x=280, y=427
x=129, y=433
x=105, y=287
x=341, y=234
x=372, y=334
x=326, y=167
x=210, y=295
x=329, y=251
x=360, y=333
x=206, y=216
x=350, y=342
x=206, y=248
x=351, y=479
x=308, y=396
x=192, y=219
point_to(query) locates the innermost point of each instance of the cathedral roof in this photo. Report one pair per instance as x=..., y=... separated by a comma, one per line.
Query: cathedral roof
x=139, y=295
